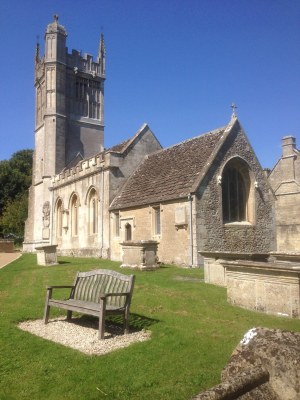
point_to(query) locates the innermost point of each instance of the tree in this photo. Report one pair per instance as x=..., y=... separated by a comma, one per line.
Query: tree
x=14, y=216
x=15, y=179
x=15, y=176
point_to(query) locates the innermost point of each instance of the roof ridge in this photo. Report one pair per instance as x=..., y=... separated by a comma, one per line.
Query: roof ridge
x=190, y=139
x=127, y=142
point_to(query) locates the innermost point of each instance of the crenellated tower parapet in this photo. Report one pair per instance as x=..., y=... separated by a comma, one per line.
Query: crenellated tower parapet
x=83, y=169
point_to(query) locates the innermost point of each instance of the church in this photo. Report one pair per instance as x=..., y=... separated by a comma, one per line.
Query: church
x=203, y=199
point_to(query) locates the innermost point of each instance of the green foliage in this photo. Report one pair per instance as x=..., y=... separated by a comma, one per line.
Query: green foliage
x=14, y=216
x=15, y=179
x=194, y=331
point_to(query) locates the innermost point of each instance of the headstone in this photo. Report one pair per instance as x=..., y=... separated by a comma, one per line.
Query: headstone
x=265, y=365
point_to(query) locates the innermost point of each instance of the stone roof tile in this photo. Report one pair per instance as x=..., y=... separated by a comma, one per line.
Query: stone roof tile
x=118, y=148
x=169, y=173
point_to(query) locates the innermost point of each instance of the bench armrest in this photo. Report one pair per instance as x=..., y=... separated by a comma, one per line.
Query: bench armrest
x=60, y=287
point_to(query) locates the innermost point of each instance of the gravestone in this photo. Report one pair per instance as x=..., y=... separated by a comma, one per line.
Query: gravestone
x=265, y=365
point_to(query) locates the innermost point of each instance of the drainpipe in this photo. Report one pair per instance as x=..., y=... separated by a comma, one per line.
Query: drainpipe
x=190, y=199
x=102, y=214
x=52, y=219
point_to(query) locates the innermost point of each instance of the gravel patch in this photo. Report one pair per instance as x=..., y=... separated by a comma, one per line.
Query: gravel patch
x=83, y=336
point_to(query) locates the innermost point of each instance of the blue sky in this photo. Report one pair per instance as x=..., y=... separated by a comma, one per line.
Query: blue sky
x=177, y=65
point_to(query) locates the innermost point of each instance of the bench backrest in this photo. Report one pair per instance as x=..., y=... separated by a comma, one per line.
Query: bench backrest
x=89, y=285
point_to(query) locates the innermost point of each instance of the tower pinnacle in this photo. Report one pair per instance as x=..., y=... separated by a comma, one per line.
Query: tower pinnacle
x=101, y=50
x=37, y=50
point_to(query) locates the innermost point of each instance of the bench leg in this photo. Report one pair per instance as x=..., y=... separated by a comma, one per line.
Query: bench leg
x=102, y=319
x=47, y=307
x=126, y=321
x=69, y=315
x=46, y=314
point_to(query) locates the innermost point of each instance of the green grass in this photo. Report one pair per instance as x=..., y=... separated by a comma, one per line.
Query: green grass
x=194, y=332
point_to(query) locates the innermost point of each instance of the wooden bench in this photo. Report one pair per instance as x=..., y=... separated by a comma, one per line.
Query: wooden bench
x=98, y=293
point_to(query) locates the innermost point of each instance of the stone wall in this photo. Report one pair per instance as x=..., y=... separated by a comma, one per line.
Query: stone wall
x=272, y=288
x=90, y=176
x=285, y=181
x=174, y=240
x=6, y=246
x=243, y=237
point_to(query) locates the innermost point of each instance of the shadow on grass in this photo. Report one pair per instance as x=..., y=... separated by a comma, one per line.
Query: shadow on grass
x=114, y=323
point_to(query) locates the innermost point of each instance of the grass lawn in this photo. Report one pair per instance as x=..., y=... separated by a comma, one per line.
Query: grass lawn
x=193, y=328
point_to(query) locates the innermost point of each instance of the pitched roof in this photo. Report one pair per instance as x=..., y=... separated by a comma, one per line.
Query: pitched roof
x=170, y=173
x=118, y=148
x=122, y=147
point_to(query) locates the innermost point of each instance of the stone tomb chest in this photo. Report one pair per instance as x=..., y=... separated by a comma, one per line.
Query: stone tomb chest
x=46, y=255
x=271, y=287
x=141, y=254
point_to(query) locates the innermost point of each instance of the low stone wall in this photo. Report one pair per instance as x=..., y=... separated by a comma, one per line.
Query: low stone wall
x=6, y=246
x=269, y=287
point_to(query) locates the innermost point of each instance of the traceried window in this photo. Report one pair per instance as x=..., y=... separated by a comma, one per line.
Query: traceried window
x=81, y=95
x=59, y=216
x=93, y=212
x=235, y=192
x=74, y=215
x=156, y=221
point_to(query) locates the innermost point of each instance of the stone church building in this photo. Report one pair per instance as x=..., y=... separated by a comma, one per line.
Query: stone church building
x=285, y=182
x=205, y=197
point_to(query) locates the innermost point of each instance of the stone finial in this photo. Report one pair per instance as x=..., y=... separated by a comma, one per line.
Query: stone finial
x=234, y=107
x=55, y=18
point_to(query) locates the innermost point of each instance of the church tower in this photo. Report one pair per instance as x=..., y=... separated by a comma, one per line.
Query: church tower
x=69, y=120
x=69, y=103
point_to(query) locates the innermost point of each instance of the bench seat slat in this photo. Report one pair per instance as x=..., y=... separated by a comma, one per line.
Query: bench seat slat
x=85, y=307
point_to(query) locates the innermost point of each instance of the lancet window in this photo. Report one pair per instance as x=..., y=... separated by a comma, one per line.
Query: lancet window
x=236, y=188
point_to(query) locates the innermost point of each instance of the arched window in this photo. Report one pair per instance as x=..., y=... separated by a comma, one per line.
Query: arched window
x=128, y=232
x=74, y=215
x=93, y=212
x=235, y=192
x=59, y=215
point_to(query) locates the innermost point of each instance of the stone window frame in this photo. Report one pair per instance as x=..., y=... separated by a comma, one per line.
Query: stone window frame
x=156, y=211
x=92, y=201
x=116, y=223
x=74, y=213
x=59, y=210
x=123, y=221
x=128, y=232
x=244, y=176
